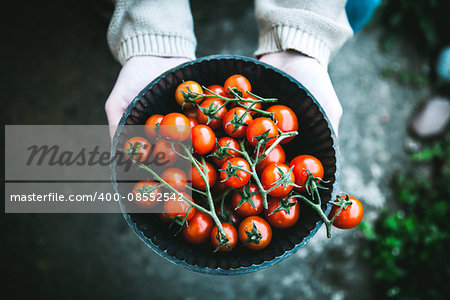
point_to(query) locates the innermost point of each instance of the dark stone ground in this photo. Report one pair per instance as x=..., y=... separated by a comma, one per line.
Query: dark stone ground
x=57, y=69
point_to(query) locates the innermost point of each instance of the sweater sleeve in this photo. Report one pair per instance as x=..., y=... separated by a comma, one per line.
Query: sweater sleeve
x=316, y=28
x=143, y=27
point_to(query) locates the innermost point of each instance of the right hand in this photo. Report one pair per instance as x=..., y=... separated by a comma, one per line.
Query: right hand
x=313, y=76
x=137, y=72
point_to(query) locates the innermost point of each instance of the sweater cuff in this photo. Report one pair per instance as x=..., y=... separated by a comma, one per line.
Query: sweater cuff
x=282, y=37
x=163, y=45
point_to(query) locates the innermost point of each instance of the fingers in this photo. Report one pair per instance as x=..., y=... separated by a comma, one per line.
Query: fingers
x=135, y=75
x=114, y=114
x=314, y=77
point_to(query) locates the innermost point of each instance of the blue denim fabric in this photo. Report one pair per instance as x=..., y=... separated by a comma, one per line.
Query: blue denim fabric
x=359, y=12
x=443, y=64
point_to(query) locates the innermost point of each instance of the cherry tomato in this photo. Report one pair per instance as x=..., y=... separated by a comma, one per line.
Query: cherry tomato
x=197, y=179
x=255, y=233
x=164, y=218
x=302, y=163
x=176, y=178
x=231, y=234
x=248, y=201
x=218, y=89
x=203, y=139
x=138, y=149
x=227, y=154
x=350, y=216
x=239, y=82
x=277, y=155
x=175, y=126
x=239, y=172
x=191, y=112
x=260, y=126
x=188, y=90
x=199, y=228
x=248, y=103
x=271, y=174
x=175, y=207
x=144, y=194
x=286, y=120
x=150, y=126
x=210, y=105
x=163, y=155
x=228, y=215
x=233, y=125
x=192, y=122
x=282, y=213
x=220, y=188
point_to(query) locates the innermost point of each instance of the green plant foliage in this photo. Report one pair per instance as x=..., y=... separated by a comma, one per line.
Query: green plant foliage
x=439, y=150
x=424, y=23
x=409, y=246
x=412, y=78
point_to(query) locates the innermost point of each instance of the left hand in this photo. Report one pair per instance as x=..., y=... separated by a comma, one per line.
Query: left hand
x=313, y=76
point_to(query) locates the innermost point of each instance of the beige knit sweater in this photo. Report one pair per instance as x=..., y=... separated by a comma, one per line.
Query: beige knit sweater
x=317, y=28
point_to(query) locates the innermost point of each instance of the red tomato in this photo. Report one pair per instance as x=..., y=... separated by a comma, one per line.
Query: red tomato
x=145, y=195
x=197, y=179
x=193, y=122
x=260, y=126
x=220, y=188
x=248, y=201
x=302, y=163
x=163, y=155
x=233, y=123
x=203, y=139
x=282, y=213
x=187, y=91
x=175, y=126
x=350, y=216
x=255, y=233
x=238, y=82
x=248, y=103
x=218, y=89
x=176, y=178
x=238, y=169
x=231, y=234
x=191, y=112
x=199, y=228
x=277, y=155
x=286, y=119
x=271, y=174
x=138, y=149
x=206, y=115
x=164, y=218
x=150, y=126
x=175, y=207
x=228, y=215
x=225, y=154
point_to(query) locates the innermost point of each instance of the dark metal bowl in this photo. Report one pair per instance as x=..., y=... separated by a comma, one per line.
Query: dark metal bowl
x=316, y=137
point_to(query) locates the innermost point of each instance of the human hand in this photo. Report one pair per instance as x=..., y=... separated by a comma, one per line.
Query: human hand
x=137, y=72
x=313, y=76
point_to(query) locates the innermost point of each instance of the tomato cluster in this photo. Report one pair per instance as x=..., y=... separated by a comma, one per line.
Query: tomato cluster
x=237, y=155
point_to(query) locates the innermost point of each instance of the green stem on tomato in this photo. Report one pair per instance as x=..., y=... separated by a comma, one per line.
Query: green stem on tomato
x=236, y=98
x=254, y=174
x=196, y=190
x=262, y=112
x=210, y=212
x=142, y=166
x=210, y=199
x=203, y=170
x=253, y=163
x=282, y=136
x=318, y=209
